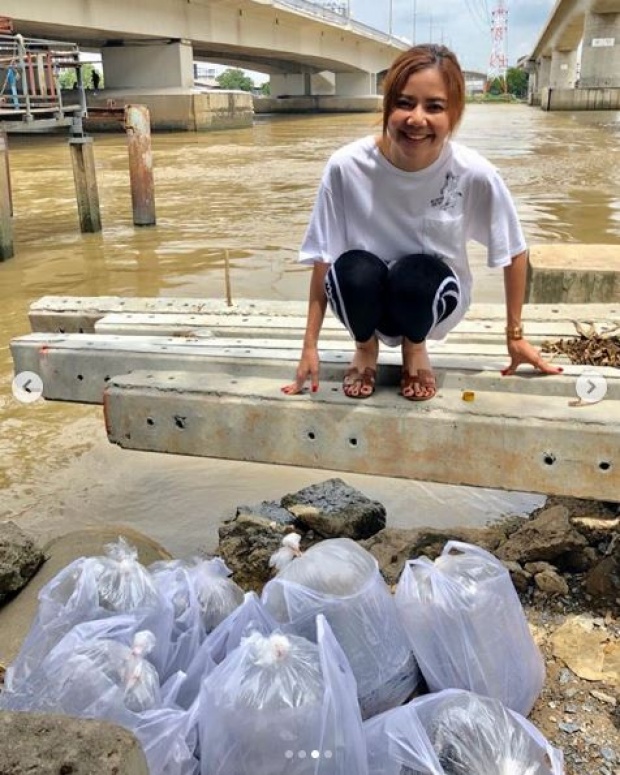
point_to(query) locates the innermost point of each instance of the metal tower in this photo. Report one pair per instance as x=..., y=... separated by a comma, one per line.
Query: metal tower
x=498, y=63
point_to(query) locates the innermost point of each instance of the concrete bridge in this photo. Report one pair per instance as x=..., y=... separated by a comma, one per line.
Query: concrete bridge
x=576, y=61
x=150, y=45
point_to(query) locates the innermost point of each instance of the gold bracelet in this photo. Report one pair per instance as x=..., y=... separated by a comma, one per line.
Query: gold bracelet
x=513, y=333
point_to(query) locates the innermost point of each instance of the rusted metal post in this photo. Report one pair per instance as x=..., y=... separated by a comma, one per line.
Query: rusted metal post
x=6, y=227
x=138, y=128
x=83, y=161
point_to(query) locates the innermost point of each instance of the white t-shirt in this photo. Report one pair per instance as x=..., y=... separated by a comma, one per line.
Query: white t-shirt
x=366, y=203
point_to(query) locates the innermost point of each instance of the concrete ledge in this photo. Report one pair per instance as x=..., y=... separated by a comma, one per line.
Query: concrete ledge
x=318, y=104
x=53, y=744
x=80, y=314
x=574, y=274
x=529, y=440
x=601, y=98
x=176, y=110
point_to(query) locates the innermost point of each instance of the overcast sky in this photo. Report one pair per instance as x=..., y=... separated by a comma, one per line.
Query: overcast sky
x=459, y=24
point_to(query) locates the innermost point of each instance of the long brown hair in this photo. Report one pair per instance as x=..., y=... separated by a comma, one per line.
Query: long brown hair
x=422, y=57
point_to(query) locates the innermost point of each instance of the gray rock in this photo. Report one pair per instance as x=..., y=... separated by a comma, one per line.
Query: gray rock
x=59, y=745
x=520, y=577
x=19, y=559
x=333, y=509
x=392, y=547
x=547, y=536
x=603, y=581
x=247, y=543
x=551, y=582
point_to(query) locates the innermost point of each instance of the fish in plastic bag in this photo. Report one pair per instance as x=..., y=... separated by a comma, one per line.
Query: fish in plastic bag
x=467, y=626
x=282, y=705
x=340, y=579
x=93, y=588
x=455, y=732
x=250, y=616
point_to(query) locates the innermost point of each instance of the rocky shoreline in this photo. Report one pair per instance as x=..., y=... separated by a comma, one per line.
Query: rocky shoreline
x=564, y=560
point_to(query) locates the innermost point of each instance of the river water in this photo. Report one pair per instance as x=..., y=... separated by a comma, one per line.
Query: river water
x=248, y=191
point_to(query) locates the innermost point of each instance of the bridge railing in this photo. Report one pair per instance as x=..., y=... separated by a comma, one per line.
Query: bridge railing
x=314, y=9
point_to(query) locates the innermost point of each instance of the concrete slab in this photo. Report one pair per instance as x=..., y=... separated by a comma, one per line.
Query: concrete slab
x=260, y=337
x=77, y=367
x=574, y=274
x=518, y=440
x=213, y=390
x=78, y=314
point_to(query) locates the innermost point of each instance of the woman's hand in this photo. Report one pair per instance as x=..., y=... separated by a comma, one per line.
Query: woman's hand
x=308, y=367
x=521, y=351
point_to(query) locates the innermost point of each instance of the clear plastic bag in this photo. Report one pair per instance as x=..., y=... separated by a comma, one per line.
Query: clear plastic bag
x=96, y=664
x=456, y=732
x=174, y=584
x=467, y=627
x=217, y=593
x=99, y=670
x=341, y=580
x=93, y=588
x=281, y=705
x=249, y=617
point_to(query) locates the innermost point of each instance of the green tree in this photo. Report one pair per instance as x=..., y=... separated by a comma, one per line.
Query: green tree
x=266, y=89
x=516, y=82
x=233, y=78
x=495, y=87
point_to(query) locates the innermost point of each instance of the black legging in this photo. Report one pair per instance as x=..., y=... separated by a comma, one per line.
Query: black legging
x=407, y=298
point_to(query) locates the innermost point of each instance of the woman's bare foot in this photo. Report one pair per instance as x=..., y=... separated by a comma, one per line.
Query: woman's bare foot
x=418, y=380
x=359, y=378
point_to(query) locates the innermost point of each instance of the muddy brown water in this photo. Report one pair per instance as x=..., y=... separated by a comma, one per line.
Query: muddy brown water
x=248, y=191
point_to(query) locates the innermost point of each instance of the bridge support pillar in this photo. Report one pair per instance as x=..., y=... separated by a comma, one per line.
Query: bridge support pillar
x=291, y=85
x=544, y=73
x=150, y=66
x=355, y=84
x=563, y=70
x=600, y=56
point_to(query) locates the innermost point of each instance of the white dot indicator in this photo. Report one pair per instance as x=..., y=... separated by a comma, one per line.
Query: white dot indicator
x=27, y=387
x=289, y=754
x=328, y=754
x=301, y=754
x=315, y=754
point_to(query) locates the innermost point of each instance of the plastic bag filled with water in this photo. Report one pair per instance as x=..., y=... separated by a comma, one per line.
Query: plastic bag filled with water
x=250, y=617
x=340, y=579
x=282, y=705
x=456, y=732
x=467, y=626
x=88, y=589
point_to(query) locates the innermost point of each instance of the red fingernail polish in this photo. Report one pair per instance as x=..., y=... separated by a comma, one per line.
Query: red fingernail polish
x=314, y=388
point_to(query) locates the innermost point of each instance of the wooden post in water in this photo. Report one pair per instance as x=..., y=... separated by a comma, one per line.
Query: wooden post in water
x=6, y=227
x=138, y=128
x=83, y=161
x=5, y=137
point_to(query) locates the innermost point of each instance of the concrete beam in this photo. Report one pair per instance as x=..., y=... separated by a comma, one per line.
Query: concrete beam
x=79, y=314
x=515, y=441
x=574, y=274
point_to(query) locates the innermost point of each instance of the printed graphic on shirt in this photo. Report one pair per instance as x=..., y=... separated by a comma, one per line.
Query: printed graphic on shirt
x=450, y=194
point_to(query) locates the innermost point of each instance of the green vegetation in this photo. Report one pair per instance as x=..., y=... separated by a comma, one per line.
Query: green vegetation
x=233, y=78
x=67, y=78
x=516, y=82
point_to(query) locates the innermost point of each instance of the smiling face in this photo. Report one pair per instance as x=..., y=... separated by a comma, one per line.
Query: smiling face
x=419, y=123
